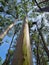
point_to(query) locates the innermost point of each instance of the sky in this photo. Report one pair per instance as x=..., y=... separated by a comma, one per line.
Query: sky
x=4, y=47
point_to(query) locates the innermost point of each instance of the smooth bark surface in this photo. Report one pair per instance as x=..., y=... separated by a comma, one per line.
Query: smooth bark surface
x=22, y=53
x=6, y=31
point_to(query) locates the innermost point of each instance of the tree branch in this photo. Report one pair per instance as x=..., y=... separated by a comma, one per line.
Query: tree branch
x=38, y=5
x=45, y=9
x=43, y=1
x=6, y=31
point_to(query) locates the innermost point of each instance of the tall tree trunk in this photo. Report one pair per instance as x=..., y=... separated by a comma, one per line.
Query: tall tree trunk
x=22, y=53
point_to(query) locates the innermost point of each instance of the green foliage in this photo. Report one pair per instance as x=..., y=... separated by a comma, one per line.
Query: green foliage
x=0, y=39
x=0, y=61
x=1, y=9
x=11, y=52
x=35, y=37
x=2, y=2
x=30, y=24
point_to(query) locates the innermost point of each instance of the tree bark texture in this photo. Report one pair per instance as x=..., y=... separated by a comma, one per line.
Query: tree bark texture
x=22, y=54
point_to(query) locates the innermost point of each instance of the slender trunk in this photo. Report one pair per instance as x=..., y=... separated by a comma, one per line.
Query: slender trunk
x=44, y=61
x=44, y=43
x=7, y=60
x=38, y=58
x=22, y=53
